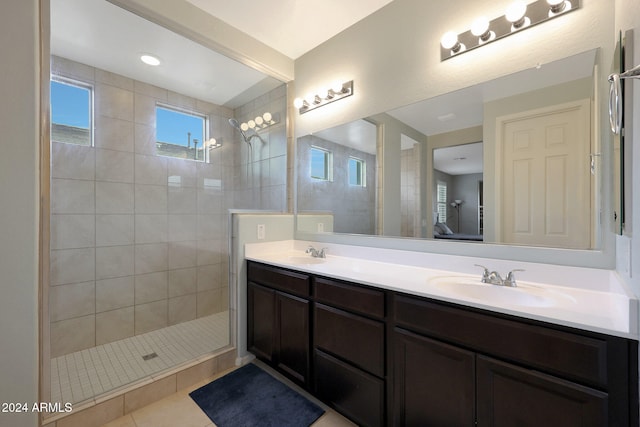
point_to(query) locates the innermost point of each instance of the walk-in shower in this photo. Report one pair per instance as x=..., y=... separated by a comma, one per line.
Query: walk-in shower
x=140, y=280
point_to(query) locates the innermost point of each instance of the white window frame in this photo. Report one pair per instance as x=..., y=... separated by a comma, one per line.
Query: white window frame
x=185, y=111
x=328, y=164
x=362, y=176
x=82, y=85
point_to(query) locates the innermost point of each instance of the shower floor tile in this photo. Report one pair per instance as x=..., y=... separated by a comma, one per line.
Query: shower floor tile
x=83, y=375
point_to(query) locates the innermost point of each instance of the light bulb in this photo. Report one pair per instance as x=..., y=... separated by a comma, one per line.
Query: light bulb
x=259, y=121
x=251, y=124
x=336, y=87
x=516, y=13
x=298, y=103
x=556, y=6
x=449, y=40
x=244, y=127
x=480, y=27
x=267, y=117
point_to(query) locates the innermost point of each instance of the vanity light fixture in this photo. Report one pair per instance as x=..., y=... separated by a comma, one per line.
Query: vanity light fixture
x=518, y=16
x=261, y=122
x=335, y=92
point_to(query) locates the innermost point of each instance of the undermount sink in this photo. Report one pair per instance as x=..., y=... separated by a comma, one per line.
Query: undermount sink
x=523, y=295
x=301, y=260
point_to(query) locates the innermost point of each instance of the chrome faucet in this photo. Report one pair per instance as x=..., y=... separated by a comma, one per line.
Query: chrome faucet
x=494, y=278
x=316, y=253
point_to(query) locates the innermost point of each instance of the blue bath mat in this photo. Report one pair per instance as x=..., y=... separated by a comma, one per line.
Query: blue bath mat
x=249, y=397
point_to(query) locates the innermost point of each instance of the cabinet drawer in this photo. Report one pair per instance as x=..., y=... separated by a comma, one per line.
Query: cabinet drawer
x=351, y=391
x=353, y=338
x=284, y=280
x=349, y=297
x=572, y=356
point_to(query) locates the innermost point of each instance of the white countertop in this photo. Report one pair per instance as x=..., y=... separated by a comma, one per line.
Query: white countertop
x=589, y=299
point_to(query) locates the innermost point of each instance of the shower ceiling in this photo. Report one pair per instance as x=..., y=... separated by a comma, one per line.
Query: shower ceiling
x=97, y=33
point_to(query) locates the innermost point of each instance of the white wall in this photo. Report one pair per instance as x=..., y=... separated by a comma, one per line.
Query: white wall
x=19, y=192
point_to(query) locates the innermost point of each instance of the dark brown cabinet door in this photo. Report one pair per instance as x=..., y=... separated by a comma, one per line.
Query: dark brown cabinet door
x=434, y=383
x=261, y=313
x=512, y=396
x=292, y=338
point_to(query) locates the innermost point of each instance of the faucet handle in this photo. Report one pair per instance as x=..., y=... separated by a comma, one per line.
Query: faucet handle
x=510, y=280
x=485, y=273
x=322, y=253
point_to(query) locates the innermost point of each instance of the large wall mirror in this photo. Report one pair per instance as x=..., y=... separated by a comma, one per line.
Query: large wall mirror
x=514, y=161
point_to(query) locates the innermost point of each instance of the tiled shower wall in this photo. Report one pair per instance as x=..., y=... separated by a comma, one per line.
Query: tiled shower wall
x=353, y=207
x=410, y=192
x=138, y=241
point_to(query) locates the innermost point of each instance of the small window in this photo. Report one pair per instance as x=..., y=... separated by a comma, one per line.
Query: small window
x=357, y=172
x=442, y=201
x=71, y=112
x=180, y=133
x=321, y=164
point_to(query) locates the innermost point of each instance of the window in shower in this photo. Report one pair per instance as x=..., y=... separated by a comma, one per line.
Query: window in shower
x=357, y=172
x=71, y=112
x=321, y=164
x=180, y=133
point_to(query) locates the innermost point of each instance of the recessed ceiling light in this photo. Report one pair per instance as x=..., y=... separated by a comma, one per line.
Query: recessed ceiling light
x=150, y=59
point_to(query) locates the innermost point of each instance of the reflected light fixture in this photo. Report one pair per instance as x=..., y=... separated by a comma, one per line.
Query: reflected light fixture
x=314, y=100
x=149, y=59
x=518, y=16
x=261, y=122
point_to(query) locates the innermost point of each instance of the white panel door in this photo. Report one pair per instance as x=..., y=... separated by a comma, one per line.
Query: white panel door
x=546, y=184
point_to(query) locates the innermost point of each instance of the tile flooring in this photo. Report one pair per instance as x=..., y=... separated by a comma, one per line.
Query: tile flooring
x=83, y=375
x=180, y=410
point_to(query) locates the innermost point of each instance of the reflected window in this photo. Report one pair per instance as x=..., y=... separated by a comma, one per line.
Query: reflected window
x=71, y=112
x=357, y=172
x=441, y=204
x=180, y=133
x=321, y=164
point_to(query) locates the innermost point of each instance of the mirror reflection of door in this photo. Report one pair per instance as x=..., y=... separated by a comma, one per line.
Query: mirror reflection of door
x=457, y=192
x=546, y=185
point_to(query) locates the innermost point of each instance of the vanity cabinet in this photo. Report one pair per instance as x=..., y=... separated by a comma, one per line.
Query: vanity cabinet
x=349, y=349
x=450, y=362
x=278, y=320
x=382, y=357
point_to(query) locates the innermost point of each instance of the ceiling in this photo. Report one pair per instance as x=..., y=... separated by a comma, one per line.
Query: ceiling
x=100, y=34
x=292, y=27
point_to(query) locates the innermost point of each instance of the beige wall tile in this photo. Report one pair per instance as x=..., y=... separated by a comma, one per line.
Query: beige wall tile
x=153, y=91
x=182, y=282
x=145, y=111
x=113, y=102
x=72, y=161
x=114, y=198
x=182, y=309
x=179, y=100
x=114, y=325
x=151, y=228
x=145, y=139
x=113, y=230
x=150, y=170
x=69, y=301
x=72, y=266
x=72, y=231
x=182, y=254
x=113, y=79
x=150, y=287
x=72, y=335
x=114, y=134
x=182, y=228
x=151, y=199
x=114, y=166
x=151, y=258
x=196, y=373
x=126, y=421
x=182, y=200
x=68, y=68
x=95, y=416
x=114, y=261
x=114, y=293
x=150, y=316
x=227, y=360
x=209, y=251
x=150, y=393
x=208, y=277
x=72, y=196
